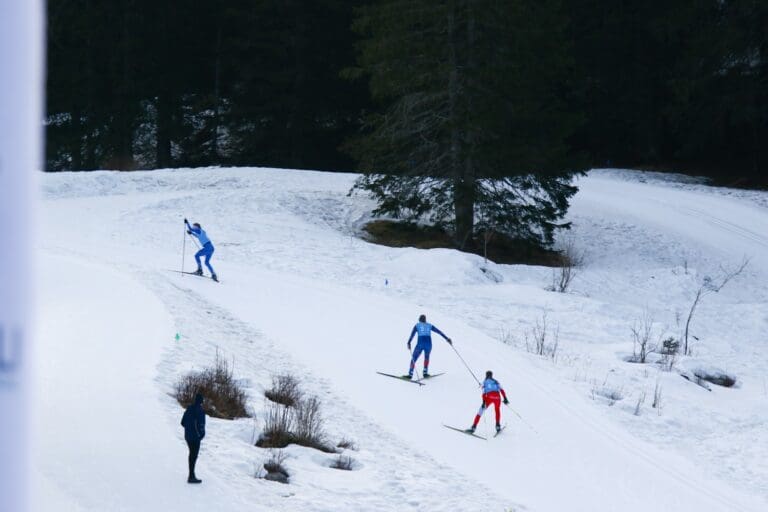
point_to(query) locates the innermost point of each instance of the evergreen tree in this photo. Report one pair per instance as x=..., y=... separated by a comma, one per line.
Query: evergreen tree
x=474, y=123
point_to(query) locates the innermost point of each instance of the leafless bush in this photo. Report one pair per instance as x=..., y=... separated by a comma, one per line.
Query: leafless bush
x=273, y=468
x=224, y=396
x=657, y=396
x=642, y=343
x=708, y=286
x=343, y=462
x=669, y=350
x=506, y=336
x=640, y=402
x=347, y=444
x=285, y=390
x=301, y=424
x=278, y=427
x=609, y=392
x=570, y=260
x=540, y=341
x=309, y=425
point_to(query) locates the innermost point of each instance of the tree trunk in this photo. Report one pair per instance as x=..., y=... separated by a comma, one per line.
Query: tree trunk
x=463, y=189
x=461, y=137
x=464, y=208
x=163, y=149
x=297, y=124
x=216, y=97
x=123, y=158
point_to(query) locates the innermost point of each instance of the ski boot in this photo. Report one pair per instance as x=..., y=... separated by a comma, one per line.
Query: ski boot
x=198, y=272
x=426, y=375
x=193, y=480
x=498, y=428
x=213, y=276
x=470, y=430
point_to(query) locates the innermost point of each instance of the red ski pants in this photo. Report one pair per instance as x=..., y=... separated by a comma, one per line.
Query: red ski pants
x=490, y=398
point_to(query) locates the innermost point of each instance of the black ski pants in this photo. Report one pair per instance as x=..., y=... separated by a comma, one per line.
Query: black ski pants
x=194, y=449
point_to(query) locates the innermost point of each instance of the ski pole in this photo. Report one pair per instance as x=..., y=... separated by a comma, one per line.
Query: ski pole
x=183, y=250
x=465, y=364
x=521, y=418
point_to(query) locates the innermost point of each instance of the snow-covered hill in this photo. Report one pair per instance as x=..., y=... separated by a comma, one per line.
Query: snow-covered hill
x=301, y=292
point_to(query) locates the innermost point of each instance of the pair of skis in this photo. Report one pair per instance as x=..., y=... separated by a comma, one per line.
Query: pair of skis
x=196, y=274
x=407, y=378
x=470, y=433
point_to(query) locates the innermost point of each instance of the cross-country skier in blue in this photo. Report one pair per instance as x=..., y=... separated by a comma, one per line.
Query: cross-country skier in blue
x=206, y=250
x=423, y=343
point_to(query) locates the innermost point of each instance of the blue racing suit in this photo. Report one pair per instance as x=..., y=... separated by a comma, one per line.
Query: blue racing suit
x=423, y=344
x=206, y=250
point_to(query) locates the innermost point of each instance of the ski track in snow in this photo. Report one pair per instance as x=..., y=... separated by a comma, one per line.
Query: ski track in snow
x=279, y=231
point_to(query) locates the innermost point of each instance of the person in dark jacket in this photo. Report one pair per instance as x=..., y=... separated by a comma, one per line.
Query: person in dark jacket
x=193, y=422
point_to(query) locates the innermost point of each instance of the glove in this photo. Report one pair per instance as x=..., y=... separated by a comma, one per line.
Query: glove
x=506, y=402
x=409, y=345
x=449, y=341
x=189, y=232
x=185, y=221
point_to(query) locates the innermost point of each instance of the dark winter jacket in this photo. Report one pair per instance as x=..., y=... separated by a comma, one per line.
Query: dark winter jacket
x=193, y=421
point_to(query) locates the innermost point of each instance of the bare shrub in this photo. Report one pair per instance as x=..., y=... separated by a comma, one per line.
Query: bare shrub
x=570, y=260
x=309, y=425
x=541, y=341
x=278, y=427
x=506, y=336
x=611, y=394
x=642, y=343
x=224, y=396
x=301, y=424
x=640, y=402
x=343, y=462
x=657, y=398
x=285, y=390
x=670, y=347
x=273, y=468
x=708, y=286
x=347, y=444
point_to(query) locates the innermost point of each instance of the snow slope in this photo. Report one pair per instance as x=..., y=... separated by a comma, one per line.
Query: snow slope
x=301, y=292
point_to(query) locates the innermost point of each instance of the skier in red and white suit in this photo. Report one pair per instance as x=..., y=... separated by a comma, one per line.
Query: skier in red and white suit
x=492, y=394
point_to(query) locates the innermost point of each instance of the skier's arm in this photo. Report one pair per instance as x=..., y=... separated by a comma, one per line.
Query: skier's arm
x=504, y=395
x=413, y=333
x=438, y=331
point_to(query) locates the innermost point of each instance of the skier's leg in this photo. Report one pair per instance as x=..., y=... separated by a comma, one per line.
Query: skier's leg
x=497, y=409
x=208, y=255
x=427, y=351
x=416, y=353
x=198, y=255
x=479, y=415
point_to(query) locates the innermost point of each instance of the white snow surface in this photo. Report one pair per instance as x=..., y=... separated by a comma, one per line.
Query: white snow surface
x=302, y=292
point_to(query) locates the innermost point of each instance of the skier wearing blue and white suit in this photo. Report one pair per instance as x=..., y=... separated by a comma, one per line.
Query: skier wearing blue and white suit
x=423, y=343
x=206, y=249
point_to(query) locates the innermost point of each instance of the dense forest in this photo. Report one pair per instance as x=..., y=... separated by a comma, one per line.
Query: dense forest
x=672, y=85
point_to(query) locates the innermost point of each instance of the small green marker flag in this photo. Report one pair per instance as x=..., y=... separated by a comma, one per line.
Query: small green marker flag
x=178, y=337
